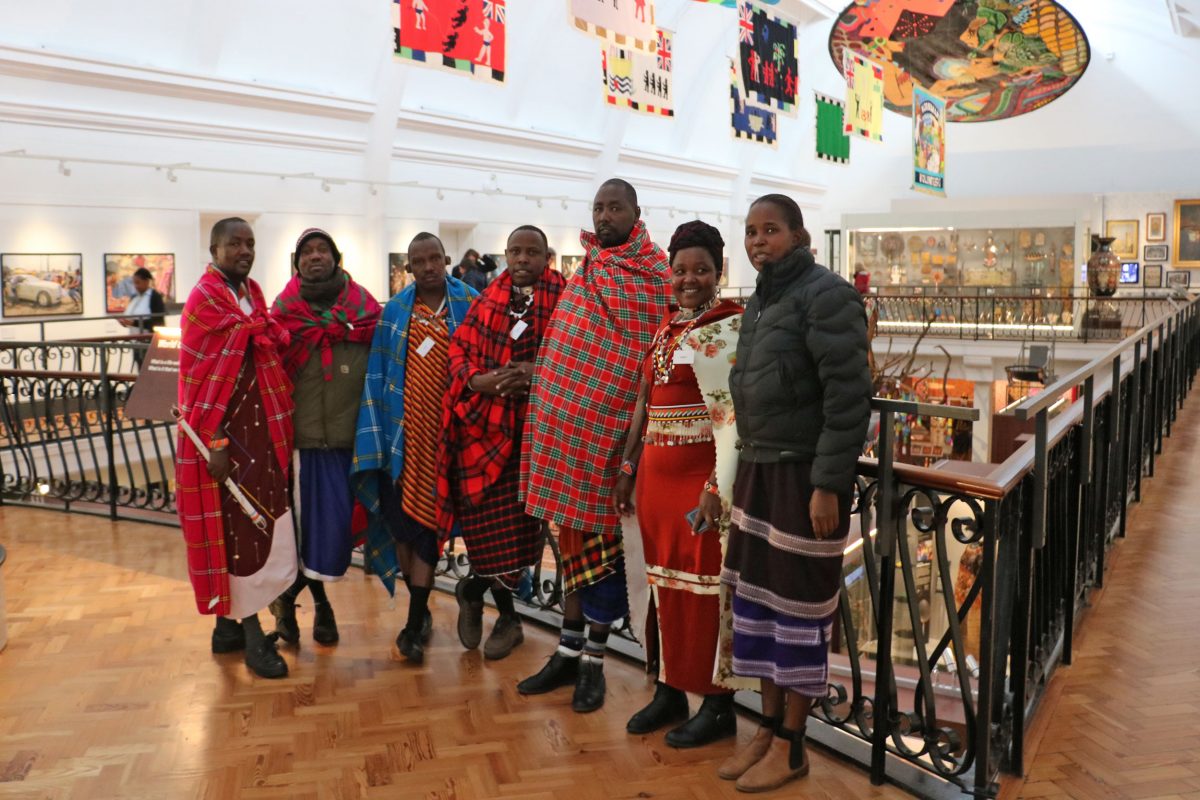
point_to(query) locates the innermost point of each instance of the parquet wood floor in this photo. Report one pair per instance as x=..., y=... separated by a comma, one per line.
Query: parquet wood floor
x=108, y=690
x=1123, y=721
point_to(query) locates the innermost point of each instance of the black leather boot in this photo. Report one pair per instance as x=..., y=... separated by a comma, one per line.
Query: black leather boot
x=283, y=608
x=669, y=705
x=559, y=671
x=228, y=636
x=262, y=657
x=589, y=687
x=714, y=721
x=325, y=630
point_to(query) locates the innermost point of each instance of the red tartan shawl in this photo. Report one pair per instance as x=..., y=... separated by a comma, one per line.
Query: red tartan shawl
x=217, y=334
x=479, y=430
x=587, y=379
x=352, y=318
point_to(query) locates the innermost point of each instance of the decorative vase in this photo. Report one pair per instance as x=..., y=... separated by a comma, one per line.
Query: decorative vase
x=1103, y=268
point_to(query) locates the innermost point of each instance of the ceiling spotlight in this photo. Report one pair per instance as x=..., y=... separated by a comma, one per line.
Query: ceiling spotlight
x=720, y=217
x=671, y=213
x=539, y=202
x=373, y=190
x=441, y=195
x=324, y=186
x=64, y=169
x=171, y=176
x=564, y=205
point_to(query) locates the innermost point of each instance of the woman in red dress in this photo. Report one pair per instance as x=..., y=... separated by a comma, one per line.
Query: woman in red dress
x=683, y=419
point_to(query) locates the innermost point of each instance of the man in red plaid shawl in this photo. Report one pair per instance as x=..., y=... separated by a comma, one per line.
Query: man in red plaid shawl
x=331, y=317
x=584, y=390
x=236, y=399
x=479, y=457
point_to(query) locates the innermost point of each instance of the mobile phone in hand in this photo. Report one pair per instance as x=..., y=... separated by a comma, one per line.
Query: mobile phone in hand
x=691, y=518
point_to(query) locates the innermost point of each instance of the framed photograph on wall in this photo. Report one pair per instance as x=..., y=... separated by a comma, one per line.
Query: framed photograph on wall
x=1178, y=279
x=1156, y=227
x=118, y=277
x=1187, y=233
x=1152, y=276
x=1155, y=252
x=568, y=265
x=41, y=284
x=398, y=276
x=1124, y=233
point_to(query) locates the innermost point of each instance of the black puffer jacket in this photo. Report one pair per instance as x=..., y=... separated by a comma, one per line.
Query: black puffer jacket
x=802, y=385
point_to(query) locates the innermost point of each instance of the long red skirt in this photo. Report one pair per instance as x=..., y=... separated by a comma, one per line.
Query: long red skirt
x=683, y=568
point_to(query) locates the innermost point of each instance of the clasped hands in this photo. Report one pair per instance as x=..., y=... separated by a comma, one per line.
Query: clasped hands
x=511, y=380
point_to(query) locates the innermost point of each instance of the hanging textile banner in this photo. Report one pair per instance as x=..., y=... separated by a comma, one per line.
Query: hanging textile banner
x=640, y=81
x=626, y=23
x=747, y=121
x=864, y=97
x=770, y=68
x=458, y=35
x=929, y=143
x=832, y=142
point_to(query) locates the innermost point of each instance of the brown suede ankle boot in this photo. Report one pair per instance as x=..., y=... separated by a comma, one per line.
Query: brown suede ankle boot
x=785, y=760
x=737, y=764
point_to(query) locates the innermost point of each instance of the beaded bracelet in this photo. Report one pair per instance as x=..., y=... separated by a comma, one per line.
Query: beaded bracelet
x=628, y=468
x=711, y=488
x=218, y=444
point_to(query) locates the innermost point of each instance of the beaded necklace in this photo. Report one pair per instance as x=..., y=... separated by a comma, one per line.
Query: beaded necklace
x=520, y=295
x=664, y=345
x=424, y=317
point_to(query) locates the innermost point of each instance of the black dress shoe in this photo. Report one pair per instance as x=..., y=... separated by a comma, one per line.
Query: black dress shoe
x=409, y=645
x=559, y=671
x=228, y=636
x=669, y=705
x=283, y=608
x=589, y=687
x=325, y=629
x=264, y=659
x=714, y=721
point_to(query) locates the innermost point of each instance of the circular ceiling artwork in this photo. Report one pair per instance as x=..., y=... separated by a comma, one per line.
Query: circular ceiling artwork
x=990, y=59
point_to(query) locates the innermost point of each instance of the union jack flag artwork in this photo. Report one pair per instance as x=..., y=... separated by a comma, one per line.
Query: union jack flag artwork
x=664, y=51
x=495, y=10
x=745, y=23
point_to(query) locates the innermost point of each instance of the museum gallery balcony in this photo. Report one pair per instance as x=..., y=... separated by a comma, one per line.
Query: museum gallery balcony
x=965, y=584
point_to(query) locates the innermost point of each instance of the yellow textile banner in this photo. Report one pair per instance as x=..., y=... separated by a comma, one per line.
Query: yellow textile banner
x=864, y=97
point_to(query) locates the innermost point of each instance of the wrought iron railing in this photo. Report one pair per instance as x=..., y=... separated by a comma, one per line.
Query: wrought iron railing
x=962, y=582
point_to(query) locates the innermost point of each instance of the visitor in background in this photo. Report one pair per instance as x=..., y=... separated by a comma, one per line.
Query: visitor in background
x=492, y=356
x=331, y=320
x=236, y=398
x=584, y=390
x=146, y=308
x=394, y=471
x=801, y=389
x=682, y=430
x=862, y=279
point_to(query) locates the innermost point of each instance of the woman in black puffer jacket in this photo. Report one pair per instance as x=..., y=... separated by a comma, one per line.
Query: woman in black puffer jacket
x=801, y=392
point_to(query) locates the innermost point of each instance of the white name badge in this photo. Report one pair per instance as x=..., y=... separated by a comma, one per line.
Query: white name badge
x=425, y=347
x=684, y=355
x=518, y=329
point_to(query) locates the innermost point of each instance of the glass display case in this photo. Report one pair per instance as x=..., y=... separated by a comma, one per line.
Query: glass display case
x=965, y=257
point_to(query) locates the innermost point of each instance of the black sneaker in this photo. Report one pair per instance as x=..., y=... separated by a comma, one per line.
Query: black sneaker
x=228, y=636
x=559, y=671
x=325, y=629
x=470, y=617
x=283, y=608
x=410, y=647
x=669, y=705
x=264, y=660
x=589, y=687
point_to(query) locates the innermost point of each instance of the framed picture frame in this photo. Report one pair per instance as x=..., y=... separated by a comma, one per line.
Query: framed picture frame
x=1156, y=227
x=1187, y=233
x=1124, y=233
x=1152, y=276
x=398, y=276
x=1155, y=252
x=118, y=277
x=41, y=284
x=1178, y=278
